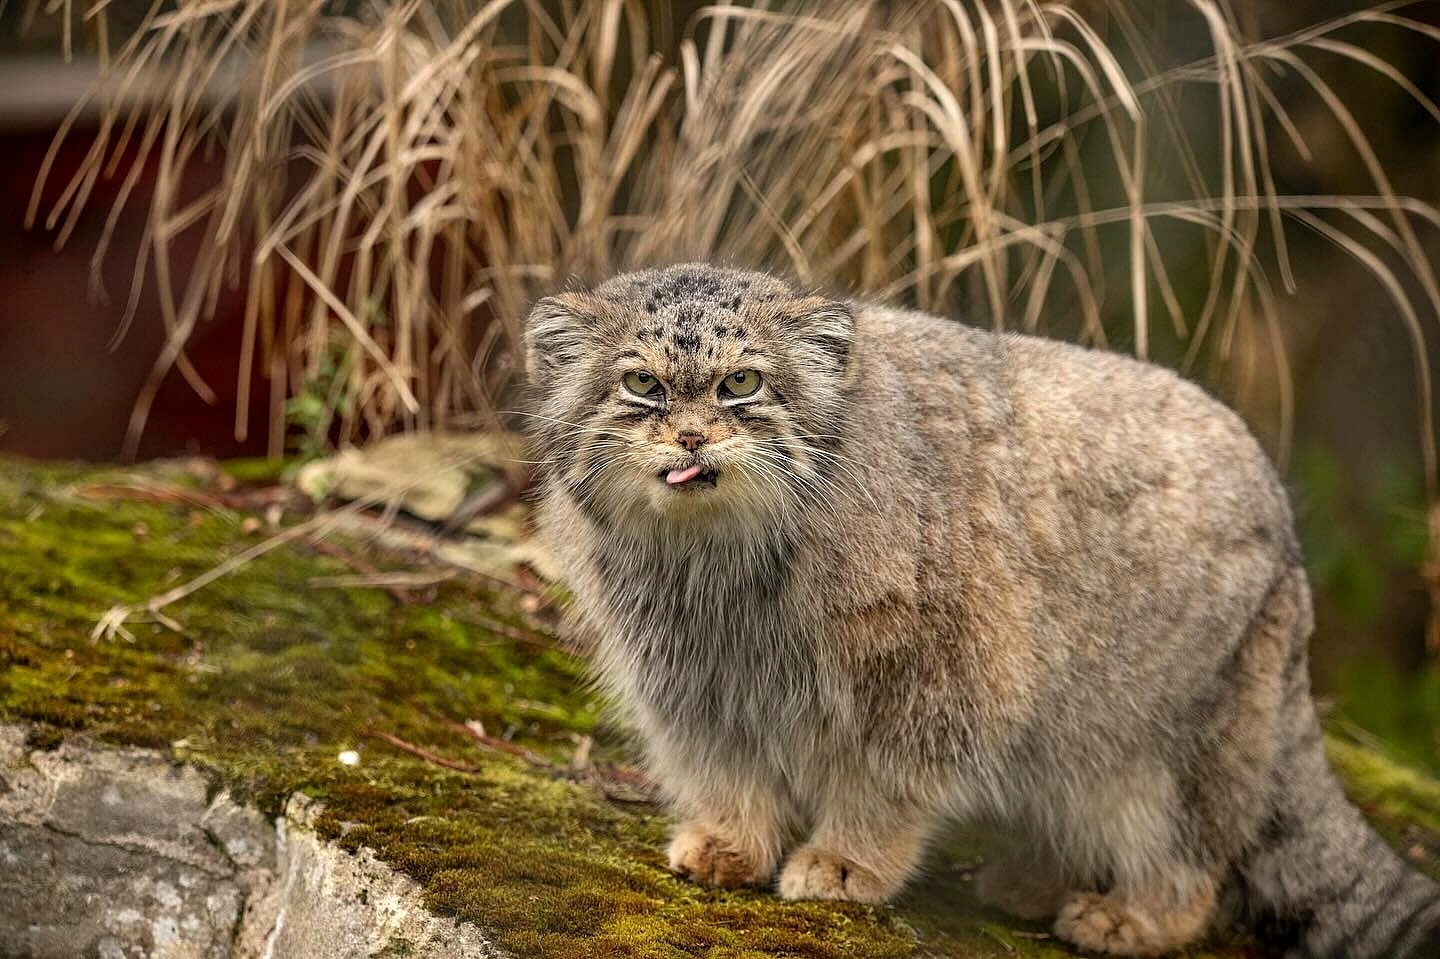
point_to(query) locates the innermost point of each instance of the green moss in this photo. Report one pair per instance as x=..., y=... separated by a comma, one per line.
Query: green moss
x=258, y=470
x=271, y=676
x=395, y=949
x=1403, y=803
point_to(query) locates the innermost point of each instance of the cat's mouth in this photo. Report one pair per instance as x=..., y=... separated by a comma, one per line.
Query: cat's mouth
x=693, y=476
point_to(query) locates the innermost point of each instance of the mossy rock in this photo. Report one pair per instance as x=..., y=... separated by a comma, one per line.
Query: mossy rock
x=270, y=676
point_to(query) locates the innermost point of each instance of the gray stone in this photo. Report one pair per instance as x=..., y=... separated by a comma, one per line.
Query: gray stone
x=114, y=853
x=103, y=854
x=340, y=906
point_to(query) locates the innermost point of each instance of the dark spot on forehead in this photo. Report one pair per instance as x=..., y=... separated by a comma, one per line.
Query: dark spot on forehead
x=692, y=292
x=712, y=288
x=687, y=341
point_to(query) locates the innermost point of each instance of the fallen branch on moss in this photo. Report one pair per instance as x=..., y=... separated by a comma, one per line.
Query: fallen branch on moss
x=425, y=754
x=113, y=622
x=616, y=783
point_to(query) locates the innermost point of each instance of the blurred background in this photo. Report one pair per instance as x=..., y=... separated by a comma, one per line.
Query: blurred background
x=264, y=228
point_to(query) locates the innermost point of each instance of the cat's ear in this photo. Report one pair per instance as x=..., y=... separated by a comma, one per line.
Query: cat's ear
x=827, y=329
x=556, y=334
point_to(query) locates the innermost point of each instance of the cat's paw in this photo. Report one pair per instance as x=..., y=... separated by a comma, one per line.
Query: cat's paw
x=700, y=855
x=1016, y=888
x=812, y=873
x=1096, y=923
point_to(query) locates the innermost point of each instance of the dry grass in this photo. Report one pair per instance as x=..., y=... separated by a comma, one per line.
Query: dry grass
x=400, y=183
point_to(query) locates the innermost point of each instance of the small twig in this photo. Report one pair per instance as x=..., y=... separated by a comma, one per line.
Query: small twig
x=498, y=494
x=500, y=745
x=256, y=500
x=140, y=493
x=623, y=784
x=425, y=754
x=580, y=764
x=167, y=622
x=404, y=533
x=397, y=584
x=112, y=623
x=616, y=783
x=1355, y=731
x=1005, y=944
x=528, y=637
x=395, y=581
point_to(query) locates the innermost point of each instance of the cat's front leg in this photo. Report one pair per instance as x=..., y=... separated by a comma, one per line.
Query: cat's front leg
x=730, y=835
x=720, y=856
x=863, y=850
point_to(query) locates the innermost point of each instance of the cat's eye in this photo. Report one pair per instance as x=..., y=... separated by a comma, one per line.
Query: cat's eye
x=740, y=384
x=642, y=383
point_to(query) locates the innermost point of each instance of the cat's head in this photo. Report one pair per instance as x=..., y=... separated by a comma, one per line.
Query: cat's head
x=691, y=393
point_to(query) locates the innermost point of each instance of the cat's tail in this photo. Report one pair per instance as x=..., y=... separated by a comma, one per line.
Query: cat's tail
x=1319, y=868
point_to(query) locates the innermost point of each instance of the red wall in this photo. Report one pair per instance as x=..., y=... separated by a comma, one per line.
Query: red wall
x=63, y=392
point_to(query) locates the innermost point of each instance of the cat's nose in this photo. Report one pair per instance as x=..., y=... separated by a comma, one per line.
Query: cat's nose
x=691, y=440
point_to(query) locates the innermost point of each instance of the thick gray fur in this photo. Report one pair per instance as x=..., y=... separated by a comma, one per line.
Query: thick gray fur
x=943, y=573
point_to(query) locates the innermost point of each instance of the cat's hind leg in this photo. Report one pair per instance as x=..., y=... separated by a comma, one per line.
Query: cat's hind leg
x=1140, y=890
x=1146, y=925
x=1022, y=880
x=1165, y=831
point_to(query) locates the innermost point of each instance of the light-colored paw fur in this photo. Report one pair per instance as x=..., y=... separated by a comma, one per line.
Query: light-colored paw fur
x=698, y=854
x=1145, y=926
x=1097, y=924
x=812, y=873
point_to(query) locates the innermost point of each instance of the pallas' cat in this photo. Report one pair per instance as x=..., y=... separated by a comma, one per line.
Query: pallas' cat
x=852, y=571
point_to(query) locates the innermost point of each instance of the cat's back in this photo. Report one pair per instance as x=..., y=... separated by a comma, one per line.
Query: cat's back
x=1093, y=489
x=1135, y=439
x=1096, y=424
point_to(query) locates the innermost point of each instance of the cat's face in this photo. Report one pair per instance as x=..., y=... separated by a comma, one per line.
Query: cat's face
x=691, y=393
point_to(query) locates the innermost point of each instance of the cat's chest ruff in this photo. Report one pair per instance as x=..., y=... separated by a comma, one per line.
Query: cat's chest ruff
x=692, y=590
x=708, y=643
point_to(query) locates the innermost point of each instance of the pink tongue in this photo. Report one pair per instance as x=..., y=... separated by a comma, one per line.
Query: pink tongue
x=675, y=477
